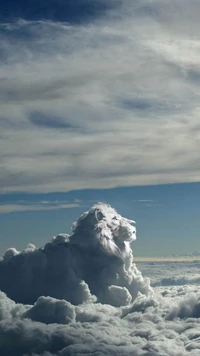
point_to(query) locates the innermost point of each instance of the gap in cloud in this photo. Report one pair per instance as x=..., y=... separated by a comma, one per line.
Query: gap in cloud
x=136, y=104
x=48, y=121
x=150, y=106
x=72, y=11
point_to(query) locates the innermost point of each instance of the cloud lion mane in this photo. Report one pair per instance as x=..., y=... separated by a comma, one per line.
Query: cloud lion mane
x=102, y=227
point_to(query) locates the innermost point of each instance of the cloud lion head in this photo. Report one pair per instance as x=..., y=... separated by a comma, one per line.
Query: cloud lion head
x=103, y=227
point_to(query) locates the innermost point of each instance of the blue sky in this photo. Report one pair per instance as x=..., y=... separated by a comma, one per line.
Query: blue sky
x=98, y=95
x=167, y=216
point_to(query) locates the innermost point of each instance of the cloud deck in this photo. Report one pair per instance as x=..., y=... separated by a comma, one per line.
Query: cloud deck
x=83, y=295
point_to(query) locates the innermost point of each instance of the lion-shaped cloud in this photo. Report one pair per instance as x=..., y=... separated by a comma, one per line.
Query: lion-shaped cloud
x=103, y=227
x=94, y=264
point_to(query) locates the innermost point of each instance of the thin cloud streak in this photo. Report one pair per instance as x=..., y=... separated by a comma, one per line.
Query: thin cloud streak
x=41, y=206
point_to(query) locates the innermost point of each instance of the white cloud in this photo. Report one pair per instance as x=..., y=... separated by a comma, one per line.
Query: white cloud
x=40, y=206
x=155, y=327
x=183, y=272
x=140, y=321
x=145, y=201
x=95, y=263
x=115, y=102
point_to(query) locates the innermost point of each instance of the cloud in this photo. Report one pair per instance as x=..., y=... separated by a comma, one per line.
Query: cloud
x=186, y=307
x=112, y=311
x=95, y=105
x=179, y=272
x=145, y=201
x=95, y=263
x=174, y=281
x=146, y=328
x=50, y=310
x=40, y=206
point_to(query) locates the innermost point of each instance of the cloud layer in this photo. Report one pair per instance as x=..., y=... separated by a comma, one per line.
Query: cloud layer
x=72, y=316
x=95, y=263
x=101, y=104
x=156, y=325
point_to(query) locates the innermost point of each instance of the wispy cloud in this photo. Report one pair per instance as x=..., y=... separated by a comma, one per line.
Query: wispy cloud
x=42, y=205
x=148, y=203
x=145, y=201
x=110, y=103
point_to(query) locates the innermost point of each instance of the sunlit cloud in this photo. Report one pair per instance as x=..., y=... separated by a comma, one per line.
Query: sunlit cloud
x=83, y=294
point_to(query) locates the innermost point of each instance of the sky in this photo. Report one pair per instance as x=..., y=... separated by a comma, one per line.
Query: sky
x=100, y=102
x=167, y=216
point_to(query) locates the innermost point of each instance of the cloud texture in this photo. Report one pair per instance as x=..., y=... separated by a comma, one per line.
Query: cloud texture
x=112, y=311
x=95, y=263
x=105, y=103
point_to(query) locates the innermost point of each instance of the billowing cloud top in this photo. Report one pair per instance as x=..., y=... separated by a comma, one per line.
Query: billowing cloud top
x=83, y=295
x=95, y=263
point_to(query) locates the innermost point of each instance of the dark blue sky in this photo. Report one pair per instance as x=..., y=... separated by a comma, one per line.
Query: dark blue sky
x=78, y=11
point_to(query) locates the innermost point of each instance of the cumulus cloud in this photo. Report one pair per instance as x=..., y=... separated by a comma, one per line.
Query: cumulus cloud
x=50, y=310
x=186, y=307
x=94, y=263
x=83, y=295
